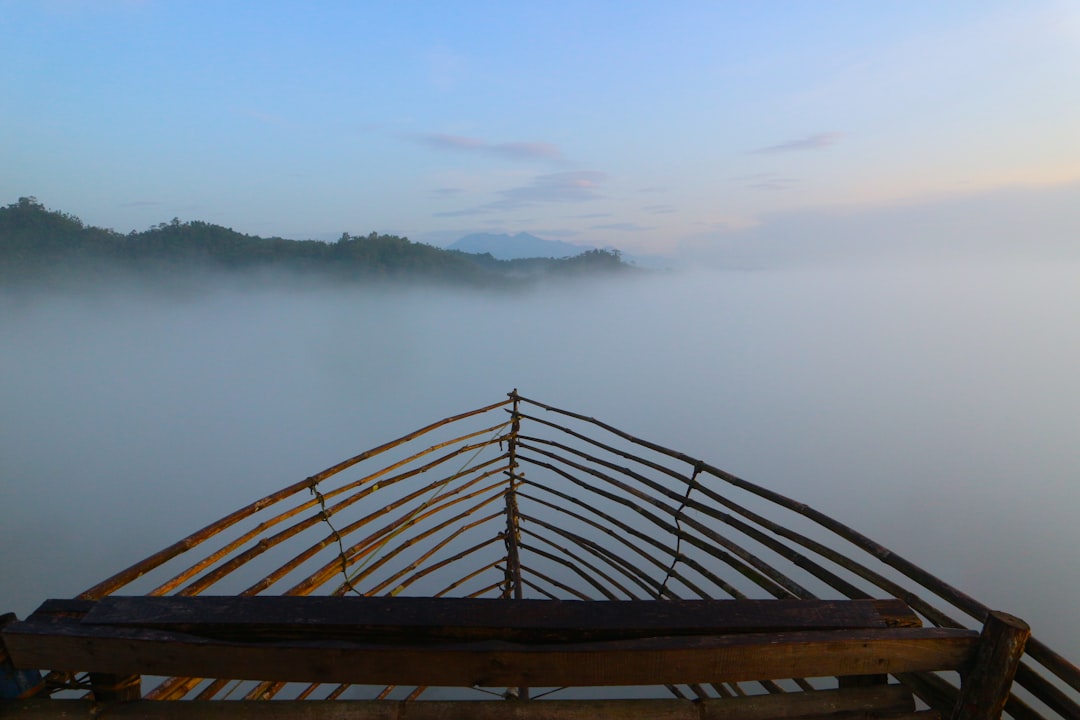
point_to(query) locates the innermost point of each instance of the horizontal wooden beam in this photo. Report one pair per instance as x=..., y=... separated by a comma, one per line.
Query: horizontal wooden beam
x=893, y=700
x=416, y=618
x=74, y=646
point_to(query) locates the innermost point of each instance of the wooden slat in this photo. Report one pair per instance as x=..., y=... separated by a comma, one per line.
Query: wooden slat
x=691, y=659
x=416, y=618
x=892, y=700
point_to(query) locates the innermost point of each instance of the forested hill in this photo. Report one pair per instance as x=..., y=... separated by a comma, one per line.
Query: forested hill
x=38, y=245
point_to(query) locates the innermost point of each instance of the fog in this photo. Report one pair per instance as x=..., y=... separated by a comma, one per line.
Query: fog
x=934, y=408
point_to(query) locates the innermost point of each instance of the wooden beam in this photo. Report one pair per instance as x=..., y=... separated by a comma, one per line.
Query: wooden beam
x=892, y=700
x=421, y=618
x=72, y=645
x=116, y=688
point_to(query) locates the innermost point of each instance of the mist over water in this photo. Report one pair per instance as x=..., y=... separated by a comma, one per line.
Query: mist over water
x=935, y=408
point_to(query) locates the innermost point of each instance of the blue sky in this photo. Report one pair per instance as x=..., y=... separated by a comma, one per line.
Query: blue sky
x=682, y=127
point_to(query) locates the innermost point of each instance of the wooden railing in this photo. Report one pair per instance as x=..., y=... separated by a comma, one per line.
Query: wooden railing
x=521, y=500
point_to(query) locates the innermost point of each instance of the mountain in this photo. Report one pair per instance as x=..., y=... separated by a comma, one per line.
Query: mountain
x=514, y=247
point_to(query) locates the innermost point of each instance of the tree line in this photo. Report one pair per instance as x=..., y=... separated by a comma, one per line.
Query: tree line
x=42, y=246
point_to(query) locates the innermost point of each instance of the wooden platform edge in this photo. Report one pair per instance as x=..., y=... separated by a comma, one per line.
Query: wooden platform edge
x=892, y=701
x=59, y=645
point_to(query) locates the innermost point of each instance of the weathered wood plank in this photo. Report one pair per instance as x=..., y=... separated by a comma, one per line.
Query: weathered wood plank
x=837, y=704
x=985, y=685
x=474, y=619
x=649, y=661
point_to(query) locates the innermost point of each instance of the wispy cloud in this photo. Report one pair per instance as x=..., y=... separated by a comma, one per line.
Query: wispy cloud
x=623, y=227
x=767, y=181
x=467, y=212
x=519, y=150
x=565, y=187
x=810, y=142
x=659, y=209
x=447, y=191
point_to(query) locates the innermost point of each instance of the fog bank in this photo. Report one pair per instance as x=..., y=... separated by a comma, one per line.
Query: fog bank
x=933, y=408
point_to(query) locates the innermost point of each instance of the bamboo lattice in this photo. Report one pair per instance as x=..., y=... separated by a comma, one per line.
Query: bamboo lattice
x=523, y=500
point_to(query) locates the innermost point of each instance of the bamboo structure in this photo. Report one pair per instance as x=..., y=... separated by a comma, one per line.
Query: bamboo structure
x=529, y=553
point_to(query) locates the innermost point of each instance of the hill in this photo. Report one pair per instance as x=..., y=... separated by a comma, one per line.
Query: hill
x=512, y=247
x=42, y=246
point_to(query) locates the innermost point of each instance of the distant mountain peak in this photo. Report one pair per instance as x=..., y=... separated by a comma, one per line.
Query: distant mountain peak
x=504, y=246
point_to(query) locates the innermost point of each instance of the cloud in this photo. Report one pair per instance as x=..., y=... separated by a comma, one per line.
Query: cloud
x=565, y=187
x=767, y=181
x=659, y=209
x=623, y=227
x=520, y=150
x=461, y=213
x=810, y=142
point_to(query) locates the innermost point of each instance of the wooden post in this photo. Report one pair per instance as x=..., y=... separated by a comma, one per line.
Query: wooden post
x=513, y=562
x=15, y=683
x=513, y=532
x=986, y=683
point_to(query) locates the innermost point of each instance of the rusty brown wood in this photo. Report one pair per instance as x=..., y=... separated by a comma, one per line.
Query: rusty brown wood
x=467, y=577
x=552, y=581
x=987, y=681
x=139, y=569
x=262, y=527
x=634, y=574
x=631, y=662
x=426, y=510
x=373, y=541
x=633, y=532
x=775, y=575
x=891, y=588
x=265, y=544
x=773, y=588
x=414, y=566
x=788, y=553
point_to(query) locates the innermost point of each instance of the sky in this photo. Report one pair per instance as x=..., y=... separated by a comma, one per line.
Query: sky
x=706, y=130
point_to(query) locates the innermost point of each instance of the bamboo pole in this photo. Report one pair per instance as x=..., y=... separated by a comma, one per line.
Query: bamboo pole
x=1052, y=661
x=409, y=542
x=893, y=589
x=513, y=522
x=376, y=540
x=603, y=575
x=450, y=560
x=626, y=568
x=573, y=568
x=611, y=533
x=273, y=577
x=630, y=530
x=265, y=544
x=484, y=590
x=750, y=573
x=784, y=551
x=946, y=591
x=527, y=571
x=126, y=576
x=464, y=579
x=262, y=527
